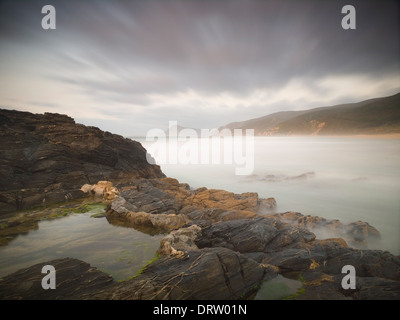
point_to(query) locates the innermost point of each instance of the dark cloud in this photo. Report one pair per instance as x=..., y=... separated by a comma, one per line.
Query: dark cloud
x=128, y=51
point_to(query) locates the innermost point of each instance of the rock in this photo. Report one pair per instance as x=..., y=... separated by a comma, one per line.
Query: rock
x=161, y=195
x=215, y=214
x=374, y=288
x=253, y=235
x=211, y=273
x=148, y=222
x=361, y=232
x=103, y=189
x=167, y=196
x=121, y=206
x=306, y=255
x=357, y=233
x=221, y=199
x=46, y=158
x=179, y=241
x=75, y=279
x=216, y=273
x=86, y=188
x=377, y=276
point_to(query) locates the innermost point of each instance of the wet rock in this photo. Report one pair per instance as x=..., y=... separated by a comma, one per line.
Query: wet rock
x=180, y=241
x=368, y=263
x=221, y=199
x=253, y=235
x=166, y=197
x=158, y=223
x=215, y=214
x=216, y=273
x=211, y=273
x=377, y=276
x=357, y=234
x=47, y=158
x=305, y=256
x=102, y=189
x=361, y=232
x=167, y=194
x=75, y=279
x=373, y=288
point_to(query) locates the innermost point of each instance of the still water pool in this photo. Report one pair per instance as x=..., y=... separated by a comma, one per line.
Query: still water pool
x=116, y=250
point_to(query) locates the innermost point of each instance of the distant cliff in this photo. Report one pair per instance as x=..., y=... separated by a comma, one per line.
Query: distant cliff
x=46, y=158
x=375, y=116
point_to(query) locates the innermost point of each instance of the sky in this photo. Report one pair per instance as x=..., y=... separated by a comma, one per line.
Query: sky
x=131, y=66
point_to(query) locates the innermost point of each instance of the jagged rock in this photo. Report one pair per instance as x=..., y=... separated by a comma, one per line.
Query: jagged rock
x=221, y=199
x=377, y=277
x=75, y=279
x=103, y=189
x=167, y=196
x=303, y=256
x=357, y=233
x=157, y=223
x=46, y=158
x=253, y=235
x=180, y=240
x=211, y=273
x=361, y=232
x=215, y=273
x=374, y=288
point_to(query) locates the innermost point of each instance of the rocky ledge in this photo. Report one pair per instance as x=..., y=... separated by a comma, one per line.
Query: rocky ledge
x=46, y=158
x=218, y=245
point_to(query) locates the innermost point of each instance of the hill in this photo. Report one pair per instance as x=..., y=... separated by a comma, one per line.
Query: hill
x=374, y=116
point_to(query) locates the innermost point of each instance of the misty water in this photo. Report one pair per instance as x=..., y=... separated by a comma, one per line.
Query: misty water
x=345, y=178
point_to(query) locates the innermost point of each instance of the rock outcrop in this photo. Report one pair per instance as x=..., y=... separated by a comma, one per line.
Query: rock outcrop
x=47, y=158
x=212, y=273
x=357, y=234
x=75, y=279
x=165, y=204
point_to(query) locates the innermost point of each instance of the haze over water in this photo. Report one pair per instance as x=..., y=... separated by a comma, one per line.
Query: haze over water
x=343, y=178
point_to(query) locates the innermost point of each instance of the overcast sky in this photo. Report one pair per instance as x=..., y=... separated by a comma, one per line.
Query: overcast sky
x=129, y=66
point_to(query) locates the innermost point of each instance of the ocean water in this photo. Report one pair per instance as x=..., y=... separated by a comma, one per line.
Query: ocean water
x=343, y=178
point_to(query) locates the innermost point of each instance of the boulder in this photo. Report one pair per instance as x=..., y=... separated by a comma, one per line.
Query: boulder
x=179, y=241
x=103, y=189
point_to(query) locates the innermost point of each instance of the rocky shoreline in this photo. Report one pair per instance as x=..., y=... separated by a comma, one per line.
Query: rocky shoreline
x=217, y=244
x=46, y=158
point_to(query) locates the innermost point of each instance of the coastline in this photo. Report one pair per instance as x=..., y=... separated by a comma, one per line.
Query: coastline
x=216, y=244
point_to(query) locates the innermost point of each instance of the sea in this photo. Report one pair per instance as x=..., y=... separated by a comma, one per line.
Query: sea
x=346, y=178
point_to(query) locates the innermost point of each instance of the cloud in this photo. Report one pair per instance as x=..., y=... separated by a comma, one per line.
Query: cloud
x=203, y=61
